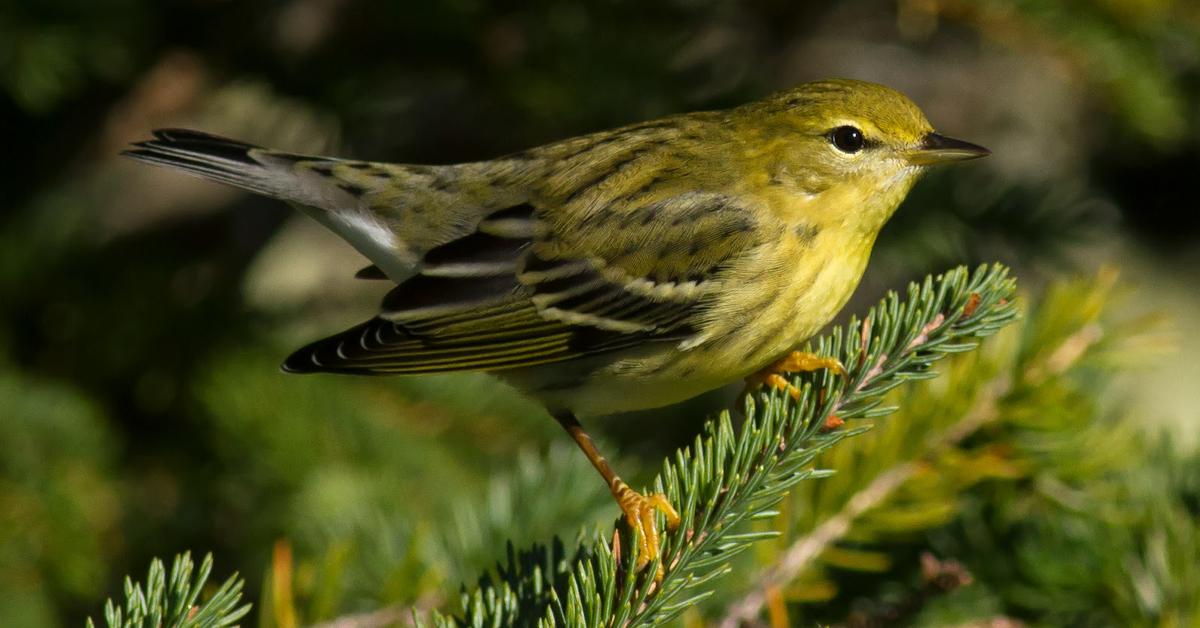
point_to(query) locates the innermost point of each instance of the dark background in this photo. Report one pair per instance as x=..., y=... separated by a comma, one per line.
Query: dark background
x=144, y=313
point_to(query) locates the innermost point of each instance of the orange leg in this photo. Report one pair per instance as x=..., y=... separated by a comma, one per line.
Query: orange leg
x=639, y=509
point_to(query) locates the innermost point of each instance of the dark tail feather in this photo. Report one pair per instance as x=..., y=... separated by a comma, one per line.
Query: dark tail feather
x=343, y=352
x=206, y=156
x=205, y=143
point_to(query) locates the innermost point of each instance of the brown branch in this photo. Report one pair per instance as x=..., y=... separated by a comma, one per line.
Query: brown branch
x=395, y=615
x=387, y=616
x=938, y=578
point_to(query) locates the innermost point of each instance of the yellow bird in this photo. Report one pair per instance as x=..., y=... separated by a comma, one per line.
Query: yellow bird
x=617, y=271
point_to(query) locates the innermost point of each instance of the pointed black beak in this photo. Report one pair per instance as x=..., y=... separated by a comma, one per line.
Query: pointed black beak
x=939, y=149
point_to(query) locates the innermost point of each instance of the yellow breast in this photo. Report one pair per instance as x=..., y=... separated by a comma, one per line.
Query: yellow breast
x=780, y=298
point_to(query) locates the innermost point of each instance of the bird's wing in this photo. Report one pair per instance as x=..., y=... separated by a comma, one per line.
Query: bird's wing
x=520, y=291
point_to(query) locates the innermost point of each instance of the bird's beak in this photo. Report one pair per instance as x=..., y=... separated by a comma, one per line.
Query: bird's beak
x=939, y=149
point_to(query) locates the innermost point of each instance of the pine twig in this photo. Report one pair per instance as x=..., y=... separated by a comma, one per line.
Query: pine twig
x=173, y=601
x=800, y=554
x=724, y=480
x=808, y=547
x=728, y=478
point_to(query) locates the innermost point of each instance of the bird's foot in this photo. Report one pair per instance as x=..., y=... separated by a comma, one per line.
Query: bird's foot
x=640, y=513
x=794, y=362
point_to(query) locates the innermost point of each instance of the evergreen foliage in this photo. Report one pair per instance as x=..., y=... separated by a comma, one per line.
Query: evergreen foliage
x=1055, y=506
x=1011, y=464
x=730, y=477
x=733, y=476
x=172, y=601
x=139, y=311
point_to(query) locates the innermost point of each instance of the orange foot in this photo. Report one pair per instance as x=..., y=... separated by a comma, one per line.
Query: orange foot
x=794, y=362
x=639, y=514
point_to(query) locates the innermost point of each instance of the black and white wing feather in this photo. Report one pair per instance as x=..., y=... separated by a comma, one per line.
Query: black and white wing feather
x=515, y=294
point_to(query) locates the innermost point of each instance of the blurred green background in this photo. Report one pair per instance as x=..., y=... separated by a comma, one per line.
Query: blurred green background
x=144, y=313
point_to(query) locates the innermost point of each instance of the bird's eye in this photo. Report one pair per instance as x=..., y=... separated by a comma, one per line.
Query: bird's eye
x=847, y=139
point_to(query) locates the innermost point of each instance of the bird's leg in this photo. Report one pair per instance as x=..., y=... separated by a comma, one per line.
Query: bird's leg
x=639, y=509
x=794, y=362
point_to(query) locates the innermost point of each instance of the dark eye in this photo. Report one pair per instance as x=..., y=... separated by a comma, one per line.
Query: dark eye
x=847, y=139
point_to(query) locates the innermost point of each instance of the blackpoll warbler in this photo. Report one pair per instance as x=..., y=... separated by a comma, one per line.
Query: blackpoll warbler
x=616, y=271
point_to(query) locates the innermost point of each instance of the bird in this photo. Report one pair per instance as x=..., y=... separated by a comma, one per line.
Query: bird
x=620, y=270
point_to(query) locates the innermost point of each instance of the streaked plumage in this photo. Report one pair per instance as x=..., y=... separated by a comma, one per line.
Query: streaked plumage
x=620, y=270
x=616, y=271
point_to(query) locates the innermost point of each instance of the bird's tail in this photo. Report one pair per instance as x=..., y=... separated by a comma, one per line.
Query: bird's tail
x=330, y=190
x=223, y=160
x=371, y=205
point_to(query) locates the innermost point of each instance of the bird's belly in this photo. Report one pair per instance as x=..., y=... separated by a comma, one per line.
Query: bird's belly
x=755, y=330
x=615, y=383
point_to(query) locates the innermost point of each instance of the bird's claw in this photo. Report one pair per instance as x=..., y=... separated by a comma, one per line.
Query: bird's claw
x=803, y=361
x=794, y=362
x=640, y=513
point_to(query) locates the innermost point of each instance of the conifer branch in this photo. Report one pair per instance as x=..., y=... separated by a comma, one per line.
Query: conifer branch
x=173, y=602
x=991, y=403
x=799, y=555
x=728, y=478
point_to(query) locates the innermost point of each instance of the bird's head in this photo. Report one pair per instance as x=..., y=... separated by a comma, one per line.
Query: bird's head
x=857, y=140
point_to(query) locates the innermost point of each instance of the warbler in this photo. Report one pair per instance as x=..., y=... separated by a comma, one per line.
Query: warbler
x=616, y=271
